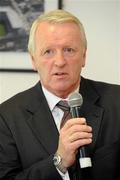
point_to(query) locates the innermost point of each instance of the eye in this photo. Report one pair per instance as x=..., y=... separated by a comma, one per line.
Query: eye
x=48, y=53
x=69, y=51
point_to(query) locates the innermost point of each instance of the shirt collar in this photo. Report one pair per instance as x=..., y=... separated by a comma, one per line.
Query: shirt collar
x=51, y=98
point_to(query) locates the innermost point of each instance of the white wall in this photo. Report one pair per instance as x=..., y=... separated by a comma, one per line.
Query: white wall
x=12, y=83
x=101, y=19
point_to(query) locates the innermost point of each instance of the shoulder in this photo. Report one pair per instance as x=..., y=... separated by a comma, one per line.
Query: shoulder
x=103, y=86
x=106, y=91
x=21, y=99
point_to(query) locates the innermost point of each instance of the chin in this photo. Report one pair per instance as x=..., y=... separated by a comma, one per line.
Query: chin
x=62, y=89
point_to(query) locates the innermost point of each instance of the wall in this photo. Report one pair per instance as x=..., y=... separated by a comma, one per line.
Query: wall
x=101, y=19
x=11, y=83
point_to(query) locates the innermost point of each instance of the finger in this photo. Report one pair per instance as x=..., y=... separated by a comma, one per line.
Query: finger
x=80, y=135
x=79, y=128
x=73, y=121
x=81, y=142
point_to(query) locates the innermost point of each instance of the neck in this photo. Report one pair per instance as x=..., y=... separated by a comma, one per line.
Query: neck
x=64, y=94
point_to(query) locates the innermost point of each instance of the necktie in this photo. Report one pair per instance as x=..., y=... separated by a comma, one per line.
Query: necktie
x=63, y=105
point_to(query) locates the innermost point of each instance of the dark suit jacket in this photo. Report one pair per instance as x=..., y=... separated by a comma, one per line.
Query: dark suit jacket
x=29, y=137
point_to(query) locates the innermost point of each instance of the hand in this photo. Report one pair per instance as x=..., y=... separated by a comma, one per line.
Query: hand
x=74, y=134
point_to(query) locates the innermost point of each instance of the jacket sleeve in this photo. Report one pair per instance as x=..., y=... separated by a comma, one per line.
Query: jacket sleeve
x=11, y=166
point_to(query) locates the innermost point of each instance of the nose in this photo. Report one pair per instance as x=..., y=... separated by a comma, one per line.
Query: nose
x=60, y=59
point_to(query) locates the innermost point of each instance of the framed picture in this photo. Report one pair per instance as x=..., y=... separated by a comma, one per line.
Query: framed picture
x=16, y=18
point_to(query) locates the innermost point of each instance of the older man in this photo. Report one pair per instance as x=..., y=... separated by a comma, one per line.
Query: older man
x=33, y=146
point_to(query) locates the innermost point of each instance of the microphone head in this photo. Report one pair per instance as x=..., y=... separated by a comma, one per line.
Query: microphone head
x=75, y=99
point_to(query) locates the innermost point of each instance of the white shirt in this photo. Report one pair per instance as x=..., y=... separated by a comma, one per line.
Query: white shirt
x=57, y=114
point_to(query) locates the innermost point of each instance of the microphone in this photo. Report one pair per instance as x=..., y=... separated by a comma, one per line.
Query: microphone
x=75, y=101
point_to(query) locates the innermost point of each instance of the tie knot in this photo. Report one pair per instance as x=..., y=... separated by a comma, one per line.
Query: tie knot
x=63, y=104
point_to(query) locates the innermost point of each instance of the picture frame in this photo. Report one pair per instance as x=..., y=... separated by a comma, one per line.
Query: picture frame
x=14, y=56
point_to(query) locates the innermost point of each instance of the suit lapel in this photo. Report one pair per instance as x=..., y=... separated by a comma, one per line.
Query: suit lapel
x=90, y=110
x=41, y=121
x=93, y=115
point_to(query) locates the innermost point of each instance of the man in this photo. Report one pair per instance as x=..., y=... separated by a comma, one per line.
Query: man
x=30, y=135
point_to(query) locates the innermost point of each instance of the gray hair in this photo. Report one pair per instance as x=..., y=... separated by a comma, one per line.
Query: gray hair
x=55, y=17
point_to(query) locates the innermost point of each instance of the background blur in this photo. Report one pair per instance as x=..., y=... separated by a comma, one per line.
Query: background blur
x=101, y=20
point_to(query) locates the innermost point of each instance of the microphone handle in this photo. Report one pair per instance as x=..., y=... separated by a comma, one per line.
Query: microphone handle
x=75, y=111
x=84, y=160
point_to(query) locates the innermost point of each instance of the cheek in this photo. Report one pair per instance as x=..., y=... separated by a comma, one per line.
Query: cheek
x=76, y=65
x=44, y=70
x=75, y=70
x=42, y=66
x=38, y=63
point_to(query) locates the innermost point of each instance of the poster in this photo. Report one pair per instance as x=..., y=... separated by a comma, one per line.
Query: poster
x=16, y=17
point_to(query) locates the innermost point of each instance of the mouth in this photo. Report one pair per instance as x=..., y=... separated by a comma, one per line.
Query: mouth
x=60, y=74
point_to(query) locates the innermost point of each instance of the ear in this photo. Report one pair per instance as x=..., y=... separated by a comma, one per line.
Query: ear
x=33, y=62
x=84, y=58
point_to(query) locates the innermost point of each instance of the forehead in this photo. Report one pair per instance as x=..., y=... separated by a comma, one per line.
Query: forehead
x=55, y=28
x=59, y=31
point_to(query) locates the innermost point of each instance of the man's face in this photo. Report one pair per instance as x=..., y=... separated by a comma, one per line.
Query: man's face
x=59, y=57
